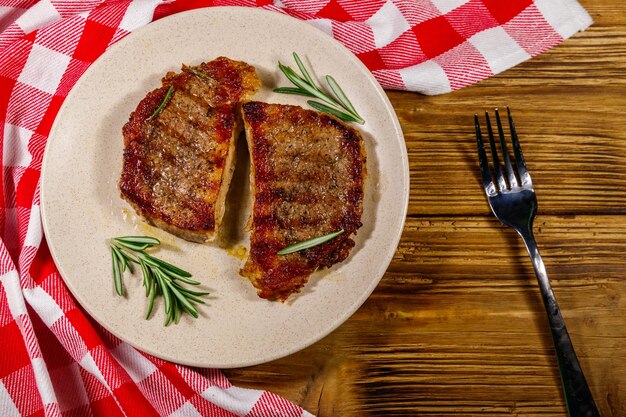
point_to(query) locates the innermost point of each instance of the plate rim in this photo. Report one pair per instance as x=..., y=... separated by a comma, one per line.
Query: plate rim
x=347, y=312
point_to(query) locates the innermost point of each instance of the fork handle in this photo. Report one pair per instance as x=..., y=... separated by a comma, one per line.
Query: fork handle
x=578, y=397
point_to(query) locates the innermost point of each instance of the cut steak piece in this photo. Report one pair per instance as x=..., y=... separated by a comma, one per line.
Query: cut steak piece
x=307, y=180
x=178, y=158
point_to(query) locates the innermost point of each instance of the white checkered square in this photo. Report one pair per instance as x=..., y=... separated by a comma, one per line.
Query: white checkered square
x=42, y=378
x=34, y=230
x=428, y=78
x=138, y=14
x=45, y=306
x=41, y=14
x=11, y=283
x=239, y=401
x=499, y=49
x=7, y=406
x=565, y=16
x=44, y=69
x=325, y=25
x=15, y=146
x=445, y=6
x=137, y=365
x=186, y=410
x=387, y=24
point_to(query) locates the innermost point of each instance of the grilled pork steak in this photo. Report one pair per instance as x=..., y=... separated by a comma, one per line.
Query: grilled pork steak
x=178, y=159
x=307, y=179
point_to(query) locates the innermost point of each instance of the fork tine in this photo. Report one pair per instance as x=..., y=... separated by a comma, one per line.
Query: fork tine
x=522, y=171
x=505, y=153
x=494, y=154
x=482, y=158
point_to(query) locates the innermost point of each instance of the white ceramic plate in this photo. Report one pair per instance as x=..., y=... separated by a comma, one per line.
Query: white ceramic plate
x=82, y=209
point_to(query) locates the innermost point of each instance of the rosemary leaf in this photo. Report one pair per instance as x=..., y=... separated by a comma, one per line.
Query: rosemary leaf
x=131, y=246
x=117, y=274
x=174, y=276
x=147, y=276
x=343, y=99
x=164, y=265
x=139, y=240
x=166, y=294
x=184, y=302
x=326, y=109
x=291, y=90
x=309, y=243
x=151, y=298
x=163, y=103
x=303, y=70
x=120, y=258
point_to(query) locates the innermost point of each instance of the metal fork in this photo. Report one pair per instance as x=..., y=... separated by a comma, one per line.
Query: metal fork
x=512, y=199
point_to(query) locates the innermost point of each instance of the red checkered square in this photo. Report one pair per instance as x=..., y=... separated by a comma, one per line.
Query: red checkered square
x=106, y=406
x=74, y=70
x=503, y=11
x=535, y=38
x=481, y=18
x=436, y=36
x=133, y=402
x=43, y=265
x=334, y=10
x=23, y=387
x=14, y=354
x=372, y=60
x=26, y=188
x=93, y=42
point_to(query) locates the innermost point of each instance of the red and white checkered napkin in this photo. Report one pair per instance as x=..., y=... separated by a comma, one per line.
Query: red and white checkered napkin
x=54, y=359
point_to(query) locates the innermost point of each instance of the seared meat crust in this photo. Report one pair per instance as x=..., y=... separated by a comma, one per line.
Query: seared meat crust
x=307, y=180
x=178, y=164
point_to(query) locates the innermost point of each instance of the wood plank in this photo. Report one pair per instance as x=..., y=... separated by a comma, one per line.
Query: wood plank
x=457, y=327
x=569, y=107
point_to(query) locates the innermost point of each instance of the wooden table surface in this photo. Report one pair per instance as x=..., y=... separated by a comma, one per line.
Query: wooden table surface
x=456, y=327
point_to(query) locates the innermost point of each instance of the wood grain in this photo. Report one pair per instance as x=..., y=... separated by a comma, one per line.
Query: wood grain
x=456, y=327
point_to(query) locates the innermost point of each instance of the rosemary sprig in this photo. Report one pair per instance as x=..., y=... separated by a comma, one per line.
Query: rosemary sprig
x=163, y=103
x=306, y=244
x=339, y=105
x=159, y=277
